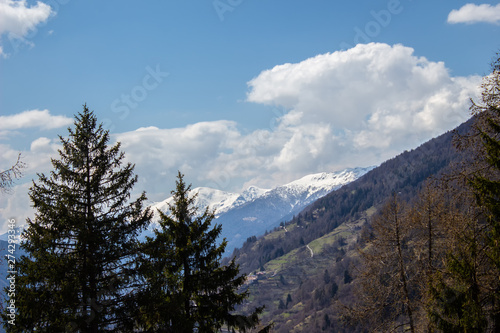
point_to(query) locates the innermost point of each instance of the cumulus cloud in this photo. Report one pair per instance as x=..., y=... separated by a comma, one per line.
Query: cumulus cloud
x=159, y=153
x=472, y=13
x=344, y=109
x=217, y=154
x=37, y=158
x=374, y=96
x=17, y=204
x=33, y=118
x=350, y=108
x=18, y=19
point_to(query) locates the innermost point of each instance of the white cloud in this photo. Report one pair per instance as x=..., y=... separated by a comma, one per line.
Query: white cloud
x=352, y=108
x=33, y=118
x=216, y=154
x=19, y=22
x=17, y=19
x=159, y=153
x=373, y=95
x=16, y=204
x=344, y=109
x=37, y=158
x=472, y=13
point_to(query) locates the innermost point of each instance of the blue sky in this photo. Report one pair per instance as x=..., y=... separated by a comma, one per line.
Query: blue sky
x=237, y=92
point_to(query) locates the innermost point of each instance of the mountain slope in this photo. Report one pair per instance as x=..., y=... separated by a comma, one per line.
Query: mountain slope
x=299, y=272
x=214, y=199
x=256, y=210
x=280, y=204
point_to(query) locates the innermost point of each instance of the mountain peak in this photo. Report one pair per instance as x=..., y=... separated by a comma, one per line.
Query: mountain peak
x=255, y=210
x=223, y=201
x=330, y=179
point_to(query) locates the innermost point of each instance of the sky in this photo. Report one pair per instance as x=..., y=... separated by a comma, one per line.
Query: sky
x=236, y=93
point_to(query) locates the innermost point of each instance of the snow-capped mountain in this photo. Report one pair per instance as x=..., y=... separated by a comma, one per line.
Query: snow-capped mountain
x=217, y=200
x=312, y=187
x=256, y=210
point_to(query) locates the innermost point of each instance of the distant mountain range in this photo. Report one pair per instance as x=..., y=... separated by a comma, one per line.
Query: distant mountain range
x=256, y=210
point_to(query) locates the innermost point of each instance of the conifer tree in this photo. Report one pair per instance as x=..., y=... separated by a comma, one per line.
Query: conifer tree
x=186, y=288
x=465, y=292
x=458, y=286
x=81, y=246
x=486, y=182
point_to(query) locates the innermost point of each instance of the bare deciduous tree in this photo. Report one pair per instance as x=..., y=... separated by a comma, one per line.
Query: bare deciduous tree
x=8, y=176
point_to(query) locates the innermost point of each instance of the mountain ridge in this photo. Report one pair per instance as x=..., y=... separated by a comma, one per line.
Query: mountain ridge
x=256, y=210
x=303, y=292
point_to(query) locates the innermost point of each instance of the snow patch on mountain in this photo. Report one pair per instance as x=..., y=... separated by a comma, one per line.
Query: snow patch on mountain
x=216, y=200
x=314, y=186
x=296, y=194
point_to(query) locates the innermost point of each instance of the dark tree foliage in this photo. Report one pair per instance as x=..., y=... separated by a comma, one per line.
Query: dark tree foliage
x=465, y=293
x=486, y=181
x=187, y=289
x=288, y=300
x=487, y=184
x=78, y=275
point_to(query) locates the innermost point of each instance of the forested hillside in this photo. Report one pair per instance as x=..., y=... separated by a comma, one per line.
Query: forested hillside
x=303, y=271
x=414, y=245
x=403, y=174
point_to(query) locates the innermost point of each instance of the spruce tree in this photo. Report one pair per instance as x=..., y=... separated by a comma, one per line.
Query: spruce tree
x=78, y=274
x=186, y=288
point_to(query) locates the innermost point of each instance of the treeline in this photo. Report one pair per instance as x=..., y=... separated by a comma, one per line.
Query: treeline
x=433, y=264
x=85, y=268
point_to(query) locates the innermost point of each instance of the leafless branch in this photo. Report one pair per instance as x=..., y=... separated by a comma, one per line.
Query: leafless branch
x=8, y=176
